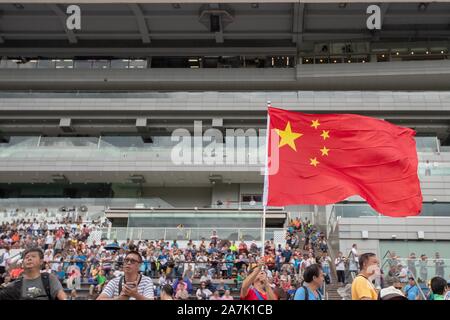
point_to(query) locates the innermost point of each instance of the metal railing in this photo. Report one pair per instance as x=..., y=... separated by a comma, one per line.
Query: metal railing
x=185, y=234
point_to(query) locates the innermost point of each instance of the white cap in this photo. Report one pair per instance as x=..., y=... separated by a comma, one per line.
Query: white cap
x=391, y=293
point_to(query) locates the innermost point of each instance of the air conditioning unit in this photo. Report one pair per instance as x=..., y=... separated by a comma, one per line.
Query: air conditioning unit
x=364, y=234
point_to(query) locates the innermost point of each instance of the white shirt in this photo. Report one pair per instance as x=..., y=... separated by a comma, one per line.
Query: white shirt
x=6, y=257
x=205, y=291
x=355, y=254
x=49, y=239
x=403, y=275
x=340, y=265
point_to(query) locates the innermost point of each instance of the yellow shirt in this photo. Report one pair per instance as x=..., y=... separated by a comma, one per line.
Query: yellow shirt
x=363, y=288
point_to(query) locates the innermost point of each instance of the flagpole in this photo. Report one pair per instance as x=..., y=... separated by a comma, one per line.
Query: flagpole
x=266, y=184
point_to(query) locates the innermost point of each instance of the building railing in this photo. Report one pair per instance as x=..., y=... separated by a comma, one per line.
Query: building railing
x=248, y=150
x=186, y=234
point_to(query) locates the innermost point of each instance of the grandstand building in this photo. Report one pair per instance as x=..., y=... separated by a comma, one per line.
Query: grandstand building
x=87, y=116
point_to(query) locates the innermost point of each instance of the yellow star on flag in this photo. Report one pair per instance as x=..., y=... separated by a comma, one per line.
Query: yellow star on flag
x=314, y=162
x=315, y=124
x=287, y=136
x=324, y=151
x=325, y=134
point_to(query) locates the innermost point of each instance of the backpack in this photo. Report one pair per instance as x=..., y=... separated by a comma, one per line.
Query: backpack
x=291, y=297
x=17, y=286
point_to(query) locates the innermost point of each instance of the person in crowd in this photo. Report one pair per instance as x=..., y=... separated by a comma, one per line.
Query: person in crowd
x=339, y=263
x=423, y=268
x=325, y=261
x=131, y=286
x=203, y=293
x=411, y=264
x=362, y=286
x=166, y=292
x=181, y=291
x=313, y=280
x=439, y=265
x=227, y=295
x=391, y=293
x=34, y=285
x=215, y=296
x=4, y=262
x=411, y=290
x=256, y=285
x=354, y=259
x=439, y=288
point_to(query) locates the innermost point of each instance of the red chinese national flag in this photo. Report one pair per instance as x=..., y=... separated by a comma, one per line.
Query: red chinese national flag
x=325, y=158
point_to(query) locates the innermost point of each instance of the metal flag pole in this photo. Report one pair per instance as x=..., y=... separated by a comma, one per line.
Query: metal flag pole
x=266, y=183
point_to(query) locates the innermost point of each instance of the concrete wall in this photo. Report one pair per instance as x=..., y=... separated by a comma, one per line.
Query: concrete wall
x=407, y=75
x=181, y=197
x=224, y=193
x=345, y=245
x=383, y=228
x=251, y=101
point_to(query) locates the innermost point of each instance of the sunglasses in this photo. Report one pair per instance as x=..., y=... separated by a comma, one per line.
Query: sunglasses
x=131, y=261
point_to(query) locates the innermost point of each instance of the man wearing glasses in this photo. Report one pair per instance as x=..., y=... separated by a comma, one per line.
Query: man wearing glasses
x=132, y=285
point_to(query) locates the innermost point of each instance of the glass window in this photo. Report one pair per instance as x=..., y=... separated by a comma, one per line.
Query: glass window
x=63, y=63
x=100, y=64
x=138, y=64
x=119, y=63
x=83, y=64
x=46, y=64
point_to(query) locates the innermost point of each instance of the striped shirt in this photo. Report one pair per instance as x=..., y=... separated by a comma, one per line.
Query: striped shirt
x=145, y=288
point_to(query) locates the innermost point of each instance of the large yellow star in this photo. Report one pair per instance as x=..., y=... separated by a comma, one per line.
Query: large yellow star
x=288, y=137
x=325, y=134
x=324, y=151
x=315, y=124
x=314, y=162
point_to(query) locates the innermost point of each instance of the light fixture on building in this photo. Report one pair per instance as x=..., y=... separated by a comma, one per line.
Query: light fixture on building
x=427, y=52
x=364, y=61
x=334, y=61
x=422, y=6
x=397, y=53
x=382, y=55
x=342, y=5
x=420, y=235
x=349, y=61
x=442, y=51
x=176, y=5
x=412, y=52
x=255, y=5
x=394, y=236
x=364, y=234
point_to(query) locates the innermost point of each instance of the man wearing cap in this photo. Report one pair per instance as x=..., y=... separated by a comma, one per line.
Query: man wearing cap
x=391, y=293
x=411, y=290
